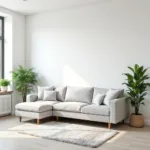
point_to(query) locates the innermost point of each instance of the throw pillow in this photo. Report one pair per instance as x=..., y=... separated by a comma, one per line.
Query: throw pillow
x=121, y=92
x=110, y=95
x=49, y=96
x=41, y=90
x=61, y=93
x=98, y=100
x=99, y=91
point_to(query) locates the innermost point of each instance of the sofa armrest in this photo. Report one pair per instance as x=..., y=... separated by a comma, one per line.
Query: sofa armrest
x=119, y=110
x=32, y=97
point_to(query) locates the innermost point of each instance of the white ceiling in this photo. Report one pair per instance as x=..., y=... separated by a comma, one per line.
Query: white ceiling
x=29, y=7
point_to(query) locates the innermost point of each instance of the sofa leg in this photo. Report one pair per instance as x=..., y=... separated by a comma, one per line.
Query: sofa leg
x=20, y=118
x=38, y=121
x=57, y=118
x=109, y=125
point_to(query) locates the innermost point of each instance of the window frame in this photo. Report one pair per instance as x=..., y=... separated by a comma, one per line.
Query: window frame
x=2, y=48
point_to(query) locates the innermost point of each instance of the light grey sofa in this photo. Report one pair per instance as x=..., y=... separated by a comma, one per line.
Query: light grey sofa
x=75, y=102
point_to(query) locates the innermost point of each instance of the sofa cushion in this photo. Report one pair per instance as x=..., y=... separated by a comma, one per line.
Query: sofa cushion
x=99, y=91
x=110, y=95
x=79, y=94
x=49, y=96
x=121, y=92
x=39, y=106
x=41, y=90
x=98, y=100
x=61, y=93
x=104, y=91
x=48, y=102
x=102, y=110
x=69, y=106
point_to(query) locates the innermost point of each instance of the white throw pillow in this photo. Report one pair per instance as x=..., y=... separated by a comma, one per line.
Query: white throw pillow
x=49, y=96
x=110, y=95
x=41, y=90
x=98, y=100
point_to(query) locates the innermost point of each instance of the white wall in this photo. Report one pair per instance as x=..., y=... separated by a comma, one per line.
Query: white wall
x=91, y=45
x=14, y=44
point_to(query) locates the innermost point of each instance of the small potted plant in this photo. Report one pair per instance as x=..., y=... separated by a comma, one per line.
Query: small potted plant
x=4, y=84
x=137, y=85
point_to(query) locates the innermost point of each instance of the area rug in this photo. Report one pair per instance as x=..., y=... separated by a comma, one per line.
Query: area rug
x=83, y=135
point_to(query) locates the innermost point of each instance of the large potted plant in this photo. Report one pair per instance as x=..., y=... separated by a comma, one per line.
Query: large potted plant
x=24, y=79
x=136, y=89
x=4, y=84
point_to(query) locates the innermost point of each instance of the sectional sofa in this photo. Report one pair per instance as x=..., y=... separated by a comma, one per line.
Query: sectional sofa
x=85, y=103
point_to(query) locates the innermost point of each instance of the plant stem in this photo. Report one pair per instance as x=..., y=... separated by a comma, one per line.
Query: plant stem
x=24, y=94
x=24, y=98
x=136, y=110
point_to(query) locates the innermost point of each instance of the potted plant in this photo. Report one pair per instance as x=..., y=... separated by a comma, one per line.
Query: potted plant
x=137, y=85
x=24, y=79
x=4, y=84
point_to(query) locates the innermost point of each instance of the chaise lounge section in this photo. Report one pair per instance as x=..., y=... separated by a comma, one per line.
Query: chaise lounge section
x=85, y=103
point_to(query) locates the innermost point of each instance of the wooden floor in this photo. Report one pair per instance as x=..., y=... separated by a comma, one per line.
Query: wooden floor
x=128, y=138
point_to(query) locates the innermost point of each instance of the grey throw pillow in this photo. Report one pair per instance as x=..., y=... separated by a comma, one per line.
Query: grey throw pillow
x=41, y=90
x=49, y=96
x=60, y=93
x=110, y=95
x=98, y=100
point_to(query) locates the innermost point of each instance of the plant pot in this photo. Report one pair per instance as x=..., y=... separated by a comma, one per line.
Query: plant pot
x=137, y=121
x=4, y=88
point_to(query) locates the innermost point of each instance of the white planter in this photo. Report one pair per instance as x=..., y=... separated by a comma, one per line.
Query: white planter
x=4, y=88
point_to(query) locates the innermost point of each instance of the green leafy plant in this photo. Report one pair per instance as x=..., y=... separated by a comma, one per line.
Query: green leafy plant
x=24, y=79
x=137, y=86
x=4, y=82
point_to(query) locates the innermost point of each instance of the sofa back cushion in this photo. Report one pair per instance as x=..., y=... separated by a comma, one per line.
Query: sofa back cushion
x=79, y=94
x=121, y=93
x=60, y=93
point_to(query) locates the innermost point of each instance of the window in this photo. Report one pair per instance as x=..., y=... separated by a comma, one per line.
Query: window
x=1, y=47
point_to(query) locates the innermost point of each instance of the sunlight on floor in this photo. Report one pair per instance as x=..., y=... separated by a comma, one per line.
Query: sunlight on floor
x=11, y=134
x=118, y=136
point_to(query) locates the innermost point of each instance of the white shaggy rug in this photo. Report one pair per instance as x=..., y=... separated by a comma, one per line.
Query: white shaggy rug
x=83, y=135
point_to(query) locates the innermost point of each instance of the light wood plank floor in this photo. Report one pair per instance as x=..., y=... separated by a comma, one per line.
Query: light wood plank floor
x=128, y=138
